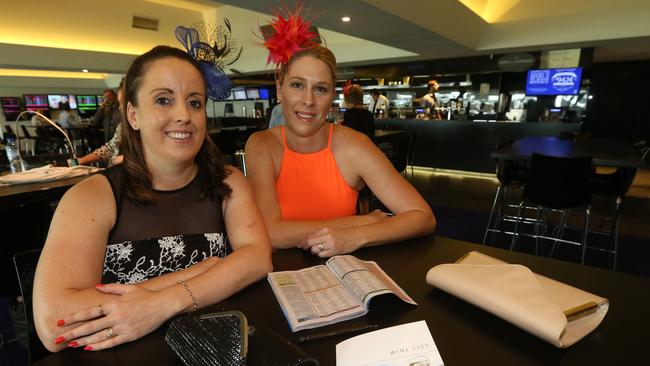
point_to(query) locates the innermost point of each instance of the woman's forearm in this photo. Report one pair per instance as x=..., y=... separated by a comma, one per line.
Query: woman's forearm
x=170, y=279
x=288, y=233
x=402, y=226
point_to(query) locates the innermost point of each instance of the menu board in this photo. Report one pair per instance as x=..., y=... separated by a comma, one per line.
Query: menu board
x=554, y=81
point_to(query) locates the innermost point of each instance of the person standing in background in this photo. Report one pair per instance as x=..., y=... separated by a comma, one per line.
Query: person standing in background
x=108, y=115
x=379, y=103
x=356, y=115
x=110, y=151
x=430, y=100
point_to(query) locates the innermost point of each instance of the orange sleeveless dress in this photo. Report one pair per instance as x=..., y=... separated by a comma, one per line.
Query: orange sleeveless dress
x=311, y=187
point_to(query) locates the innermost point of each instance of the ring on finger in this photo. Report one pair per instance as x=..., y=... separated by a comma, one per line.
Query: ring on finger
x=109, y=333
x=101, y=310
x=321, y=248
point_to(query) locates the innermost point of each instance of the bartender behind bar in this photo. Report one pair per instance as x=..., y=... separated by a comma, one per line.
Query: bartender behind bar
x=430, y=101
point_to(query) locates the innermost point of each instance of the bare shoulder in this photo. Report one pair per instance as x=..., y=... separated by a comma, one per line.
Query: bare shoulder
x=235, y=177
x=349, y=141
x=95, y=188
x=89, y=200
x=264, y=140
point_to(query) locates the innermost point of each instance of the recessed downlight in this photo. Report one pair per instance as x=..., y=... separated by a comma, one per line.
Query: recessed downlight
x=346, y=19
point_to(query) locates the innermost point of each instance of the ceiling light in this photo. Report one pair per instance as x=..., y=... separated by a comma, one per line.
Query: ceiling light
x=345, y=19
x=84, y=70
x=51, y=74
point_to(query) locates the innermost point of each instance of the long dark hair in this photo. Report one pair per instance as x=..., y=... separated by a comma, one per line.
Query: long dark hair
x=139, y=188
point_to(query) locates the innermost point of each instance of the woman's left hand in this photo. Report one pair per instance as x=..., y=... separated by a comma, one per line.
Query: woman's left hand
x=135, y=313
x=328, y=242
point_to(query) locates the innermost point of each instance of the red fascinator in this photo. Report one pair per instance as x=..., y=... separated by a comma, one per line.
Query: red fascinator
x=346, y=87
x=290, y=34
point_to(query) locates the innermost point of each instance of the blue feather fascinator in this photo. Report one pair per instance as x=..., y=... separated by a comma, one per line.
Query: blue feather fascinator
x=213, y=58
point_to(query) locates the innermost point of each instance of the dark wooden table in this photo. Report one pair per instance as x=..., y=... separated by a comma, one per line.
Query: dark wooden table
x=464, y=334
x=605, y=152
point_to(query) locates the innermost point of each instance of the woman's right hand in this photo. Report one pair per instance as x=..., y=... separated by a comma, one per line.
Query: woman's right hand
x=135, y=313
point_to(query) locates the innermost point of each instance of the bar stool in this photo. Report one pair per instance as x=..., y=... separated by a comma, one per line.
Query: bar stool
x=511, y=175
x=557, y=183
x=612, y=187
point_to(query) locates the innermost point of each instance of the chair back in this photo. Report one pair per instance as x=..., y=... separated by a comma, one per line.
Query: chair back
x=25, y=264
x=26, y=132
x=559, y=182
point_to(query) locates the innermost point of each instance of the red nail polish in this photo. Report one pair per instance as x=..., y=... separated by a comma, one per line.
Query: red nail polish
x=59, y=340
x=99, y=285
x=73, y=344
x=60, y=322
x=88, y=348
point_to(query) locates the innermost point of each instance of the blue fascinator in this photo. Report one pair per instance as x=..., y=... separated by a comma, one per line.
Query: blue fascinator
x=212, y=59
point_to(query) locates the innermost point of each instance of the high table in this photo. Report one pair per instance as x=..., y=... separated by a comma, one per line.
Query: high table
x=464, y=334
x=605, y=152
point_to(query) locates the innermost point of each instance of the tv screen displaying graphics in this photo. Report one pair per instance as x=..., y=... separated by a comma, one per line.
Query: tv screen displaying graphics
x=554, y=81
x=87, y=105
x=252, y=93
x=10, y=107
x=240, y=94
x=264, y=93
x=55, y=100
x=36, y=102
x=100, y=99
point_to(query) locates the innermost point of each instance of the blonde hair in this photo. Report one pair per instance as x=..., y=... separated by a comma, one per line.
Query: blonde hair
x=318, y=52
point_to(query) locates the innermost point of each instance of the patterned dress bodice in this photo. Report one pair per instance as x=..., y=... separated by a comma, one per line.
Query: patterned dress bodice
x=176, y=232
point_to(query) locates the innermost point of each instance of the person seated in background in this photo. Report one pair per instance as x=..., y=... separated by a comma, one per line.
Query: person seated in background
x=306, y=175
x=356, y=116
x=110, y=151
x=169, y=230
x=67, y=117
x=379, y=103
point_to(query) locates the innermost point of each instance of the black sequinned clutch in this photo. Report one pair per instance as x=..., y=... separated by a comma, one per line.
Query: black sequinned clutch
x=216, y=339
x=226, y=339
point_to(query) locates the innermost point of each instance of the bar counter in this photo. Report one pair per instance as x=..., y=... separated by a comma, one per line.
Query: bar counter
x=467, y=145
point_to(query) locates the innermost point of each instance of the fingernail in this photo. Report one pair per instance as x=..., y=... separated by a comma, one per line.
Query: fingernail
x=99, y=285
x=73, y=344
x=60, y=322
x=88, y=348
x=59, y=340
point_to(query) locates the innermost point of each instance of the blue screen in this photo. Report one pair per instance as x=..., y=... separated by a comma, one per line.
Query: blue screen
x=553, y=81
x=264, y=93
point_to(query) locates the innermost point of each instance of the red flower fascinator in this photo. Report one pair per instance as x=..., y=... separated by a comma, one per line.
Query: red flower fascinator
x=290, y=34
x=346, y=87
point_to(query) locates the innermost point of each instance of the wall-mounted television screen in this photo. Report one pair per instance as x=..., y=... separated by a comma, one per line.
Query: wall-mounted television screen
x=87, y=105
x=100, y=100
x=554, y=81
x=252, y=93
x=10, y=107
x=54, y=101
x=264, y=93
x=36, y=102
x=240, y=94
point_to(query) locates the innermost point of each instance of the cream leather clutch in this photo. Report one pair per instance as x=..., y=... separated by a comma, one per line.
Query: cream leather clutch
x=553, y=311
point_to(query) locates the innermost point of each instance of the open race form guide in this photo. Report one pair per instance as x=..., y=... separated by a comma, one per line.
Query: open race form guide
x=326, y=294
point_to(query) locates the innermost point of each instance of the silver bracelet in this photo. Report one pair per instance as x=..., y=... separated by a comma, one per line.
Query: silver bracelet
x=195, y=305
